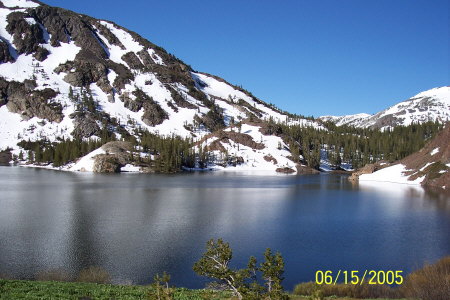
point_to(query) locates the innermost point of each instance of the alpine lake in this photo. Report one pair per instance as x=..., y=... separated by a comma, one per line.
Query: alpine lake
x=137, y=225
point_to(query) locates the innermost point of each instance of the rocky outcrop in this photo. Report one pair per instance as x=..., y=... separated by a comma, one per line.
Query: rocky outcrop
x=85, y=126
x=270, y=158
x=21, y=98
x=26, y=35
x=179, y=100
x=117, y=155
x=237, y=137
x=41, y=53
x=368, y=169
x=304, y=170
x=153, y=113
x=285, y=170
x=64, y=26
x=105, y=163
x=82, y=72
x=110, y=37
x=5, y=54
x=132, y=61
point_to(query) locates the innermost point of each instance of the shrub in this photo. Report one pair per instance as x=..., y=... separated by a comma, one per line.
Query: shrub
x=53, y=275
x=346, y=290
x=94, y=275
x=432, y=282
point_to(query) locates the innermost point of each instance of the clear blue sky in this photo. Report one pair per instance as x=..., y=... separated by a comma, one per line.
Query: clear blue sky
x=309, y=57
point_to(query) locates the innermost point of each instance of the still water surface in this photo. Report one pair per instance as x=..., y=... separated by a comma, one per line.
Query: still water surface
x=136, y=225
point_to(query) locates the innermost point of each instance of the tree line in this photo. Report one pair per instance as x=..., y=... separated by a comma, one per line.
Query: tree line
x=355, y=146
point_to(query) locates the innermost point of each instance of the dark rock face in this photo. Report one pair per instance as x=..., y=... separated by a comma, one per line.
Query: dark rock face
x=85, y=126
x=153, y=113
x=110, y=37
x=64, y=25
x=22, y=99
x=5, y=55
x=41, y=54
x=26, y=36
x=124, y=75
x=133, y=61
x=82, y=73
x=213, y=119
x=179, y=100
x=146, y=58
x=105, y=163
x=133, y=105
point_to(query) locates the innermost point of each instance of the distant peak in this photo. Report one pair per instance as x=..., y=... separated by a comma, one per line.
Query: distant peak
x=439, y=92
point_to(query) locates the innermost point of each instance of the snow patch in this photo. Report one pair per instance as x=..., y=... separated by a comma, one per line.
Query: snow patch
x=435, y=150
x=19, y=3
x=394, y=174
x=130, y=168
x=86, y=163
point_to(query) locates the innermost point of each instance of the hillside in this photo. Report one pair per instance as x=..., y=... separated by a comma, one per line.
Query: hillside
x=66, y=76
x=432, y=105
x=70, y=84
x=430, y=166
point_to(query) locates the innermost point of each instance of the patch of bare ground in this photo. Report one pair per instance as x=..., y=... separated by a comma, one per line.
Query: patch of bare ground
x=431, y=161
x=226, y=136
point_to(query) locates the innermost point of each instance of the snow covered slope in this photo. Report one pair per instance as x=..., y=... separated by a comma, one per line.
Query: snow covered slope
x=430, y=166
x=393, y=174
x=247, y=148
x=351, y=120
x=65, y=75
x=432, y=105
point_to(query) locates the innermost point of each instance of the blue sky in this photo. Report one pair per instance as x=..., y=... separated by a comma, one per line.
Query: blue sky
x=307, y=57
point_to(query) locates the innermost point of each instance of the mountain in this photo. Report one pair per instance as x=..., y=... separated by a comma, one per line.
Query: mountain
x=66, y=76
x=429, y=167
x=350, y=120
x=432, y=105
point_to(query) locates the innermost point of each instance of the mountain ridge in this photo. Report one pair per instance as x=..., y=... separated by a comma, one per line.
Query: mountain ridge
x=66, y=76
x=430, y=105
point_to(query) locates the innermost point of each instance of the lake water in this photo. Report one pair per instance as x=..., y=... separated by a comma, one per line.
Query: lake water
x=136, y=225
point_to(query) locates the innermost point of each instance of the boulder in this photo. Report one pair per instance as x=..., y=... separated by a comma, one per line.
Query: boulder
x=306, y=170
x=285, y=170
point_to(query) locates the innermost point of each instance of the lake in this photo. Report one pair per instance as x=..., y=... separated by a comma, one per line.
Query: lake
x=136, y=225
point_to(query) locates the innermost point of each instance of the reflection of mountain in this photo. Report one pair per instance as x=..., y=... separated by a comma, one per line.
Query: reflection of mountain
x=137, y=232
x=136, y=225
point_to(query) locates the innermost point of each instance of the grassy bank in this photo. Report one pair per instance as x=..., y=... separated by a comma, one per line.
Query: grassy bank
x=43, y=290
x=432, y=282
x=24, y=289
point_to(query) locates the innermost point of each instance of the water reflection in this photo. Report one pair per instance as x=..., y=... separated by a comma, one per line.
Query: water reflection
x=136, y=225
